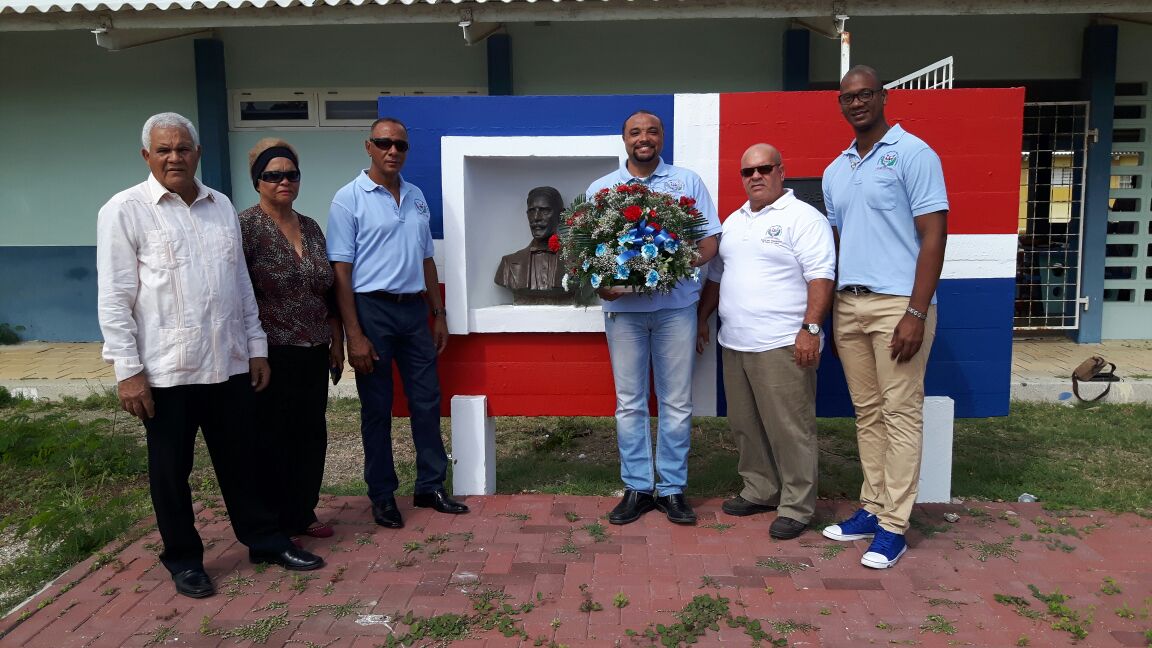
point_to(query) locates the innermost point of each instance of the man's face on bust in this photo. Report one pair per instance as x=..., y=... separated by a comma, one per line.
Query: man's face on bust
x=543, y=217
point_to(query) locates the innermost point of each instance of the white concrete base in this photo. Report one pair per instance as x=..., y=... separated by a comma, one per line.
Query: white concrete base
x=936, y=455
x=473, y=447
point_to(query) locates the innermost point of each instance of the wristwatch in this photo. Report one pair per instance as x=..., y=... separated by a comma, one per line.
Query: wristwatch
x=814, y=329
x=437, y=312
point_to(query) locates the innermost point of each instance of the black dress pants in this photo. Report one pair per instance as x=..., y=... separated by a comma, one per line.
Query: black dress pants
x=292, y=411
x=224, y=413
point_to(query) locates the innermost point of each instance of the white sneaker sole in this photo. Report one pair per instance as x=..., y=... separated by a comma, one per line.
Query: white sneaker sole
x=879, y=561
x=833, y=533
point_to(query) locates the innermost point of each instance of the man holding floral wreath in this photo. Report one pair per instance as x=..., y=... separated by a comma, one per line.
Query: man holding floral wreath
x=655, y=330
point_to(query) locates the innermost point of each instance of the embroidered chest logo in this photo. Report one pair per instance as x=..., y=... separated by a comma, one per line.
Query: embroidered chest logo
x=674, y=185
x=773, y=235
x=421, y=206
x=889, y=159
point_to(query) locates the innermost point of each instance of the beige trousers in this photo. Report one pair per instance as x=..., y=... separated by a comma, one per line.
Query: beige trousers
x=889, y=401
x=772, y=413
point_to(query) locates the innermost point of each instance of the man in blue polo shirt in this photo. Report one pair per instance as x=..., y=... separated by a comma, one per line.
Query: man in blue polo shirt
x=886, y=200
x=381, y=249
x=657, y=331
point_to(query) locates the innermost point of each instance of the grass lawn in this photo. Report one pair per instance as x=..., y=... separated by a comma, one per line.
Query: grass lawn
x=74, y=478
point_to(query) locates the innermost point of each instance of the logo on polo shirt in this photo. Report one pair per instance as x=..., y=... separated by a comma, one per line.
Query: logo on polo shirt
x=674, y=185
x=773, y=235
x=421, y=206
x=889, y=159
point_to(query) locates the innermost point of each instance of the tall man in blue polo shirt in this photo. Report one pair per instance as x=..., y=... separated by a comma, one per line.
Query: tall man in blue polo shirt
x=887, y=202
x=381, y=250
x=657, y=331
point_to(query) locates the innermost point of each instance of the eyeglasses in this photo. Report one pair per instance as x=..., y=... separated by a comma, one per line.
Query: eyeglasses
x=385, y=143
x=275, y=177
x=864, y=96
x=764, y=170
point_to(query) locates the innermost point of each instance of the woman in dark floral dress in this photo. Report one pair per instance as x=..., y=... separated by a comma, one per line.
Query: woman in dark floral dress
x=292, y=279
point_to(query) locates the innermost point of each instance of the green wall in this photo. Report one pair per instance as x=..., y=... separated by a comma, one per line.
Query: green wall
x=985, y=47
x=70, y=124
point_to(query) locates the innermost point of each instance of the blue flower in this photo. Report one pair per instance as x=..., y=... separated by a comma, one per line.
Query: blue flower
x=649, y=251
x=671, y=245
x=624, y=239
x=595, y=281
x=695, y=275
x=588, y=262
x=653, y=278
x=601, y=250
x=621, y=272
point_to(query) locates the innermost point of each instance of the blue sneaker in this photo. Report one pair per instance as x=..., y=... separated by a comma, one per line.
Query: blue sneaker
x=861, y=525
x=886, y=549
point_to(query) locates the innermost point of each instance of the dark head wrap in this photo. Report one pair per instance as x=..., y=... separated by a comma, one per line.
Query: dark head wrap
x=267, y=156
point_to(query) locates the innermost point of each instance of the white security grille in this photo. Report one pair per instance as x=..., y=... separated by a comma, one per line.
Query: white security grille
x=937, y=76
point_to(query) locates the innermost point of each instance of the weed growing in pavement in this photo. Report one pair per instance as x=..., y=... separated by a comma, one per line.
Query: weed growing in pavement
x=572, y=516
x=708, y=581
x=1022, y=640
x=938, y=624
x=1125, y=612
x=337, y=610
x=161, y=635
x=620, y=600
x=926, y=529
x=409, y=547
x=830, y=551
x=1109, y=587
x=587, y=604
x=569, y=547
x=522, y=517
x=492, y=611
x=257, y=631
x=272, y=605
x=720, y=527
x=884, y=625
x=825, y=611
x=1064, y=617
x=791, y=626
x=300, y=582
x=782, y=566
x=235, y=584
x=406, y=561
x=363, y=539
x=1002, y=549
x=1021, y=606
x=111, y=591
x=597, y=532
x=696, y=618
x=948, y=603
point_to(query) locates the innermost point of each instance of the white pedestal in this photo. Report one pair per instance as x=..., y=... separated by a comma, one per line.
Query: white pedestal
x=473, y=447
x=936, y=455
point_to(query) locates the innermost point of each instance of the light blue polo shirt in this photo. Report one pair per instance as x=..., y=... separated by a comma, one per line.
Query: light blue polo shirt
x=677, y=182
x=873, y=200
x=385, y=242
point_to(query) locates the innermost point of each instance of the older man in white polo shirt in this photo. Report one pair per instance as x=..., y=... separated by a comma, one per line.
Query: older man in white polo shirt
x=773, y=279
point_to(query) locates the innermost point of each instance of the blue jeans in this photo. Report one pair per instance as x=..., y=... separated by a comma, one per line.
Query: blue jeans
x=665, y=340
x=399, y=331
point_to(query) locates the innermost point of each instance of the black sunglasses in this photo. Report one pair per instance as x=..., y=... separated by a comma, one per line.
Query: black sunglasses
x=864, y=96
x=764, y=170
x=276, y=176
x=385, y=143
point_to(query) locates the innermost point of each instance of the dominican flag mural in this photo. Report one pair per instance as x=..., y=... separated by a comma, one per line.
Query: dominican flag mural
x=476, y=158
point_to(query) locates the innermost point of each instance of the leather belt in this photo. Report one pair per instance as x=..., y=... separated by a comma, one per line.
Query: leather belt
x=857, y=290
x=396, y=297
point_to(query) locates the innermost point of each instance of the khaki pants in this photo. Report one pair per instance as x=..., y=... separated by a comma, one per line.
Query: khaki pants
x=889, y=401
x=772, y=413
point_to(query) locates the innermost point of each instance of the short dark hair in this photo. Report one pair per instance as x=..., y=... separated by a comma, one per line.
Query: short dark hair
x=387, y=120
x=550, y=194
x=624, y=126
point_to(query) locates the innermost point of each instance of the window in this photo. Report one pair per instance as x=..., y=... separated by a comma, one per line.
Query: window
x=298, y=108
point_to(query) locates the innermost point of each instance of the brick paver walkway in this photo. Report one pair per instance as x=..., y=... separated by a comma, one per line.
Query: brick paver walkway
x=538, y=549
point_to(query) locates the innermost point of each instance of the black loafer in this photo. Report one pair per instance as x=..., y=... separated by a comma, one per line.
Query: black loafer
x=293, y=558
x=786, y=528
x=676, y=508
x=740, y=507
x=385, y=513
x=634, y=504
x=193, y=583
x=439, y=501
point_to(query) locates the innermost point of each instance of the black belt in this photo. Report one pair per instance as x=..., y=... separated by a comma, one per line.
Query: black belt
x=396, y=297
x=857, y=290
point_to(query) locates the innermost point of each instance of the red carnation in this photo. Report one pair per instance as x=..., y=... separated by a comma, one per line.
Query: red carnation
x=687, y=201
x=633, y=213
x=571, y=221
x=554, y=243
x=623, y=189
x=603, y=192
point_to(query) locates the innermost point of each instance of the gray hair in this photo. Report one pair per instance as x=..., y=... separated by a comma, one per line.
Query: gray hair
x=167, y=120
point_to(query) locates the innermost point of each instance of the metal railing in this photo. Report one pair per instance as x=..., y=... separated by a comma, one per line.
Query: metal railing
x=938, y=76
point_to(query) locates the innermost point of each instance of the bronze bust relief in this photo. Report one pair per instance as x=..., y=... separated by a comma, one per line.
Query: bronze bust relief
x=534, y=273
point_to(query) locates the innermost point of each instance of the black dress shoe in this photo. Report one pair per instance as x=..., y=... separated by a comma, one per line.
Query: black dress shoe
x=193, y=583
x=786, y=528
x=634, y=504
x=676, y=508
x=293, y=558
x=385, y=513
x=740, y=507
x=440, y=501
